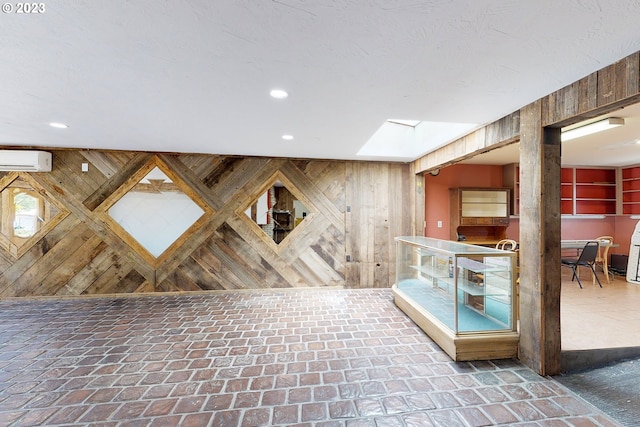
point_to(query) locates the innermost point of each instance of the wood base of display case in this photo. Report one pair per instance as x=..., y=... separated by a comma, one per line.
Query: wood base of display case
x=460, y=347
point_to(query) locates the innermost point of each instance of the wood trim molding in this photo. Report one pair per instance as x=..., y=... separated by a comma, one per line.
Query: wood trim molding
x=102, y=211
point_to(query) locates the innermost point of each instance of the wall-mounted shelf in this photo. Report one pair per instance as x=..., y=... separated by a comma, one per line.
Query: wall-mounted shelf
x=587, y=191
x=567, y=191
x=595, y=191
x=631, y=190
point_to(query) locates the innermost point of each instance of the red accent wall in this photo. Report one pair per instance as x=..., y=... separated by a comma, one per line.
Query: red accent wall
x=588, y=228
x=620, y=227
x=437, y=192
x=624, y=227
x=437, y=208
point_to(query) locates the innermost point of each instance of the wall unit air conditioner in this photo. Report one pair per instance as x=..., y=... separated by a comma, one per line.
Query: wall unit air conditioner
x=25, y=161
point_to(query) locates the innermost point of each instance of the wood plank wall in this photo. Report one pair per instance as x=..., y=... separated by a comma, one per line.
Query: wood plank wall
x=606, y=90
x=359, y=208
x=494, y=135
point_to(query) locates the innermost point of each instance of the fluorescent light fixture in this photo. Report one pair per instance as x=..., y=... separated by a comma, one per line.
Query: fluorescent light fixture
x=278, y=94
x=590, y=128
x=58, y=125
x=287, y=137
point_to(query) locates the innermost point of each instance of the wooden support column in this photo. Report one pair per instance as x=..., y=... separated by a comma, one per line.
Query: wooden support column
x=540, y=280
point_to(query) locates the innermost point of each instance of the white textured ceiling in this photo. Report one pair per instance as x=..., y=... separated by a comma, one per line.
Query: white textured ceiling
x=194, y=76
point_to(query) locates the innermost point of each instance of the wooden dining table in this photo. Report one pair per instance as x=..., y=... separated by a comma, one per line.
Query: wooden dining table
x=579, y=243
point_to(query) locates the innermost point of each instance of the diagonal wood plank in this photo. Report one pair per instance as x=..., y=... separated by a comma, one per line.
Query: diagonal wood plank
x=93, y=221
x=69, y=267
x=227, y=252
x=31, y=258
x=31, y=279
x=311, y=191
x=116, y=181
x=85, y=277
x=218, y=218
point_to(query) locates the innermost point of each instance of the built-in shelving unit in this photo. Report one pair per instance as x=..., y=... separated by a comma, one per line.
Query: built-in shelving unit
x=631, y=190
x=511, y=180
x=586, y=191
x=567, y=194
x=595, y=191
x=583, y=191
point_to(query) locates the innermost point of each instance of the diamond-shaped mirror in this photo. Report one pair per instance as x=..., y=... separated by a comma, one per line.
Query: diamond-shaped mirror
x=156, y=212
x=27, y=213
x=278, y=210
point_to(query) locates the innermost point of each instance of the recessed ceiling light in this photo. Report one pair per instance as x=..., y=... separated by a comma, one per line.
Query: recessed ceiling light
x=287, y=137
x=58, y=125
x=278, y=94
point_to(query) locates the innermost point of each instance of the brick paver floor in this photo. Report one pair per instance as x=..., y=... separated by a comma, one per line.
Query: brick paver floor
x=322, y=357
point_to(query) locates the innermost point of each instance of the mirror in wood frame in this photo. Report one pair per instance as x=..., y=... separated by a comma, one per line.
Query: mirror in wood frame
x=26, y=214
x=277, y=212
x=155, y=212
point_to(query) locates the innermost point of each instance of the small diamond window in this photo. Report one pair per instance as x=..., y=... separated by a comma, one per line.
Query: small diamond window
x=28, y=213
x=279, y=209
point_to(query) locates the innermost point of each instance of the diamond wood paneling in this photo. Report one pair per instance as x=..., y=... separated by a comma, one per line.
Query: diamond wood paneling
x=359, y=207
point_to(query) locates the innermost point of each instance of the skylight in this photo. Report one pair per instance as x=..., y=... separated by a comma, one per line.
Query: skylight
x=406, y=140
x=412, y=123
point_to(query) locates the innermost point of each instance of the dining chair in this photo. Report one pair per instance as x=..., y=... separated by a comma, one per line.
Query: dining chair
x=603, y=255
x=587, y=258
x=507, y=245
x=511, y=245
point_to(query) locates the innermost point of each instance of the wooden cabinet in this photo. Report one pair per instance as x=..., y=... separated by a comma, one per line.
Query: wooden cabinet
x=631, y=190
x=479, y=215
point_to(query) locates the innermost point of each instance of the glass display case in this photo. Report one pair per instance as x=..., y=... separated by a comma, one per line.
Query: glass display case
x=463, y=296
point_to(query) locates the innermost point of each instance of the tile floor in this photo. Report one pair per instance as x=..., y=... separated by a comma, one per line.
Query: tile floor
x=304, y=357
x=614, y=388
